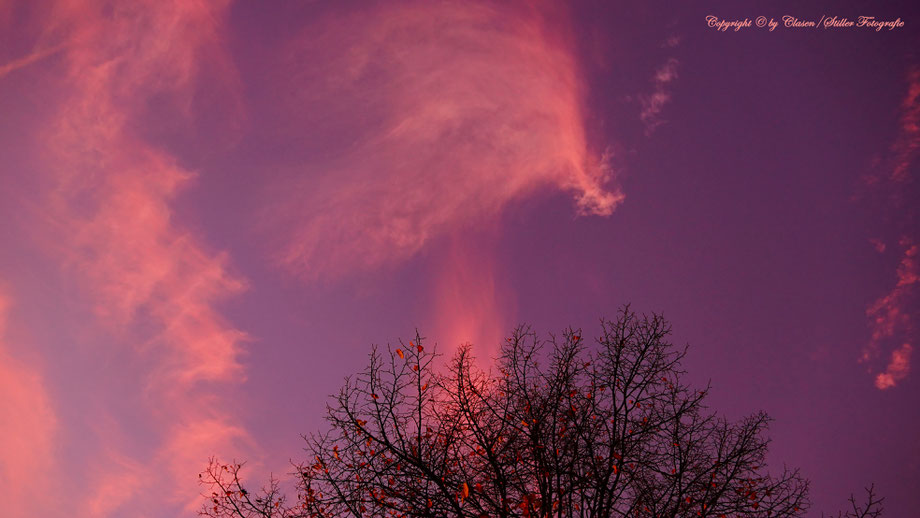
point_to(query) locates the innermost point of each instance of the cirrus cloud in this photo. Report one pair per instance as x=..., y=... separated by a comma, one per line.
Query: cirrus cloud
x=28, y=432
x=893, y=316
x=434, y=116
x=108, y=219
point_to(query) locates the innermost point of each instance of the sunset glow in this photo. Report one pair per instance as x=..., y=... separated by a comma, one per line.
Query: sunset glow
x=213, y=209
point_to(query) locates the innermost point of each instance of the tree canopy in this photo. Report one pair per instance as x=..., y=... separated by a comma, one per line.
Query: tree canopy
x=557, y=427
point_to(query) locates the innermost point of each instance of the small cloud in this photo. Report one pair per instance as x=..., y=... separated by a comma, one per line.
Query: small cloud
x=654, y=103
x=897, y=369
x=893, y=316
x=908, y=142
x=29, y=59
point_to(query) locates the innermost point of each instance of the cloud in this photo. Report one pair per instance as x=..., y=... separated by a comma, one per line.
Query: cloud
x=180, y=458
x=891, y=314
x=153, y=284
x=878, y=245
x=893, y=317
x=908, y=142
x=25, y=61
x=118, y=481
x=440, y=116
x=28, y=434
x=671, y=42
x=654, y=103
x=897, y=369
x=433, y=117
x=472, y=301
x=894, y=174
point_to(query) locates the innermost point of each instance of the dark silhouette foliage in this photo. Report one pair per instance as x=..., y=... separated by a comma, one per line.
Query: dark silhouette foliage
x=559, y=429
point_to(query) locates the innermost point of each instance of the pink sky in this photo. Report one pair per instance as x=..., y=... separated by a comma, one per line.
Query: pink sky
x=213, y=209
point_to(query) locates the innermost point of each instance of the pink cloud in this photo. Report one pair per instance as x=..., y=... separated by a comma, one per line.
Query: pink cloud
x=893, y=317
x=117, y=482
x=878, y=245
x=908, y=141
x=472, y=304
x=152, y=283
x=897, y=369
x=25, y=61
x=893, y=174
x=654, y=103
x=447, y=112
x=479, y=109
x=433, y=118
x=28, y=434
x=180, y=461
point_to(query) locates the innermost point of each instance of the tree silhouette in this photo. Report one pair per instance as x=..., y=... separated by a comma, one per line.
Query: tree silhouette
x=561, y=429
x=871, y=508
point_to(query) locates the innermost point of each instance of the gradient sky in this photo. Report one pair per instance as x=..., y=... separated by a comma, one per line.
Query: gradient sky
x=211, y=210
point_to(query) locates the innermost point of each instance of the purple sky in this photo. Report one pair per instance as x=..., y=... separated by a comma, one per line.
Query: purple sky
x=212, y=210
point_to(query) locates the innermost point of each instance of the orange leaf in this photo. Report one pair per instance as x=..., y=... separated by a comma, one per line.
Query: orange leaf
x=400, y=353
x=464, y=491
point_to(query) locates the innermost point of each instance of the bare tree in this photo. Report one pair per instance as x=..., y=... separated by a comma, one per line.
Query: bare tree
x=870, y=508
x=560, y=429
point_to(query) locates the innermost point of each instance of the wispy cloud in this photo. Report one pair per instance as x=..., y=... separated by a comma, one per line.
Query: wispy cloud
x=31, y=58
x=446, y=112
x=116, y=481
x=28, y=434
x=432, y=118
x=907, y=145
x=893, y=316
x=153, y=284
x=472, y=301
x=653, y=103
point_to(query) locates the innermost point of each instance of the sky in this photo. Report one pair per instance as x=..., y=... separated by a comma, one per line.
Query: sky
x=211, y=211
